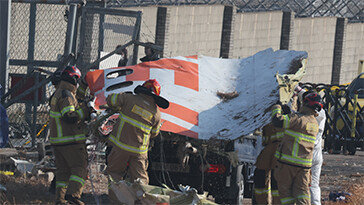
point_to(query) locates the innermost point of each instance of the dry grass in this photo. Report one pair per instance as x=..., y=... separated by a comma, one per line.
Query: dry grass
x=357, y=191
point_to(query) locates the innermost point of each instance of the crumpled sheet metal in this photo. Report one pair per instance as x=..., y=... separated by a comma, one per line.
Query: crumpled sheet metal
x=2, y=188
x=23, y=166
x=191, y=84
x=287, y=82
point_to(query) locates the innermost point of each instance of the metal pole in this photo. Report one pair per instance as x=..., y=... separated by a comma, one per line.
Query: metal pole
x=49, y=1
x=76, y=34
x=70, y=29
x=31, y=47
x=353, y=122
x=35, y=106
x=80, y=47
x=5, y=11
x=136, y=35
x=101, y=33
x=96, y=62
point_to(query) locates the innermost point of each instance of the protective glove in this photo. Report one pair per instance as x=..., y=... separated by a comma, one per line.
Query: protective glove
x=278, y=103
x=286, y=109
x=82, y=89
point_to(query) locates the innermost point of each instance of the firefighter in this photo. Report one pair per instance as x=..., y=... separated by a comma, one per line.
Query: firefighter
x=124, y=56
x=294, y=153
x=265, y=185
x=317, y=158
x=139, y=120
x=67, y=136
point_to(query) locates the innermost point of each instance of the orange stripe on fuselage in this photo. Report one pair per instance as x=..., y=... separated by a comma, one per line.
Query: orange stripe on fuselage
x=95, y=80
x=182, y=112
x=193, y=57
x=186, y=73
x=171, y=127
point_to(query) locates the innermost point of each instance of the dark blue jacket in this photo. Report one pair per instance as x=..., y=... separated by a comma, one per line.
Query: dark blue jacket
x=4, y=125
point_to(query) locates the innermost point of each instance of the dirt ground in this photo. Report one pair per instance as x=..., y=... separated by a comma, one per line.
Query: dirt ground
x=340, y=173
x=343, y=173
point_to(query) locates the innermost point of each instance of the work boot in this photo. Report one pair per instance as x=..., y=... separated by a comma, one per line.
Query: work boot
x=73, y=200
x=52, y=188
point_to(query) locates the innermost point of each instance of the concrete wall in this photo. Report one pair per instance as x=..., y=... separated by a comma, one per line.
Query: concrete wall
x=254, y=32
x=193, y=30
x=353, y=51
x=316, y=36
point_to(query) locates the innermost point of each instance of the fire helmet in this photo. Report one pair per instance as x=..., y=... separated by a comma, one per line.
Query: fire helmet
x=71, y=74
x=313, y=101
x=153, y=86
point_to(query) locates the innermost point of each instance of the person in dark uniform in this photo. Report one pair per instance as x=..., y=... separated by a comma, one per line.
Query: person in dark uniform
x=150, y=53
x=124, y=56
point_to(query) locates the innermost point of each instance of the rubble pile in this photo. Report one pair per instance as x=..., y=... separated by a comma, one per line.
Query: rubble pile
x=23, y=189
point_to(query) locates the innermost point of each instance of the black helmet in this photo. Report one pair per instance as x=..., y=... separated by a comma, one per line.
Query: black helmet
x=71, y=74
x=313, y=101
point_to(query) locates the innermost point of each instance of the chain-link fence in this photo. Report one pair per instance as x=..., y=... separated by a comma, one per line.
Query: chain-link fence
x=351, y=9
x=102, y=30
x=39, y=38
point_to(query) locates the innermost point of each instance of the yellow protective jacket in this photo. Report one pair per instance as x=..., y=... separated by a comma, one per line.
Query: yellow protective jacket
x=139, y=120
x=66, y=116
x=271, y=138
x=300, y=130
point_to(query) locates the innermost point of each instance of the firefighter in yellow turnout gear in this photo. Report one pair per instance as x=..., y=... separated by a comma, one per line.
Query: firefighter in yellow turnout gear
x=265, y=185
x=294, y=153
x=139, y=120
x=67, y=136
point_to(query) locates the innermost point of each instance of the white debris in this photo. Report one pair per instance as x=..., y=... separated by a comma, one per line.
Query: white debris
x=23, y=166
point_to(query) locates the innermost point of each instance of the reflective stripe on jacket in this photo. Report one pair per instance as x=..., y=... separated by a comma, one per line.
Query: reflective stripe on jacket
x=300, y=130
x=272, y=136
x=64, y=104
x=139, y=120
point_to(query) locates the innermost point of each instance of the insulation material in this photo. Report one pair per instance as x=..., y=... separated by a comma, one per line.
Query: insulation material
x=139, y=193
x=194, y=86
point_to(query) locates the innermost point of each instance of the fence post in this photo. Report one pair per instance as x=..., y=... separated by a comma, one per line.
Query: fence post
x=5, y=11
x=101, y=34
x=31, y=48
x=71, y=23
x=35, y=106
x=136, y=36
